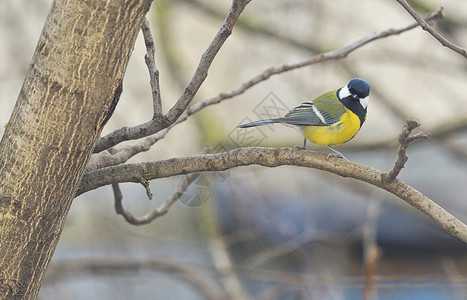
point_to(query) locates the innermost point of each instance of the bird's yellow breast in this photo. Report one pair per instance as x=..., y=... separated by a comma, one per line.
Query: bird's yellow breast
x=336, y=133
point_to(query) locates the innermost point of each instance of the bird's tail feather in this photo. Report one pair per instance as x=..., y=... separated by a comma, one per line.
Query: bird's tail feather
x=259, y=123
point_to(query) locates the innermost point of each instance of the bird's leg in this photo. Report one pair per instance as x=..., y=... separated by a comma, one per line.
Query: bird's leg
x=302, y=147
x=335, y=153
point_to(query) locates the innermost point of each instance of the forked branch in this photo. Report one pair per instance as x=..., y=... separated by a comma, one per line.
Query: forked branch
x=405, y=139
x=428, y=28
x=122, y=155
x=160, y=122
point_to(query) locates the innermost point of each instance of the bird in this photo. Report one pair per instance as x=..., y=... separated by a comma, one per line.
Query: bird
x=330, y=119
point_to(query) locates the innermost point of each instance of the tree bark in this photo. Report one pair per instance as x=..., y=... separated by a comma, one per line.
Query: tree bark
x=71, y=88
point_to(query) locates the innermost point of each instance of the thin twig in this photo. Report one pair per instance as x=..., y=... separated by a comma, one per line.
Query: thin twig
x=336, y=54
x=148, y=128
x=145, y=184
x=273, y=157
x=162, y=122
x=207, y=58
x=268, y=32
x=116, y=156
x=123, y=154
x=159, y=211
x=427, y=27
x=404, y=141
x=149, y=58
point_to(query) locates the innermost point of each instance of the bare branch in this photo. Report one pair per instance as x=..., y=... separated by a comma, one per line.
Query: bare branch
x=252, y=26
x=160, y=211
x=404, y=141
x=161, y=122
x=148, y=128
x=150, y=60
x=331, y=55
x=126, y=153
x=208, y=56
x=427, y=27
x=121, y=155
x=442, y=132
x=273, y=157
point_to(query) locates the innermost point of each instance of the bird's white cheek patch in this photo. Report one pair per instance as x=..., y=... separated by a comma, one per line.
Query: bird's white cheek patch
x=344, y=92
x=364, y=102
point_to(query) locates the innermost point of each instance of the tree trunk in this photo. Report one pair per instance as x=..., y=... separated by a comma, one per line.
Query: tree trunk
x=70, y=90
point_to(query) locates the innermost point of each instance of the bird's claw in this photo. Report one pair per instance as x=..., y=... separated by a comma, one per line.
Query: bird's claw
x=332, y=154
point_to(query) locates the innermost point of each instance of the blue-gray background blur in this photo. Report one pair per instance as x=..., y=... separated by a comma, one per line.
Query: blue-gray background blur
x=288, y=232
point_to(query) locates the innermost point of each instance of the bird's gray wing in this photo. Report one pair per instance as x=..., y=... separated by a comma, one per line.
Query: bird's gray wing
x=303, y=115
x=313, y=114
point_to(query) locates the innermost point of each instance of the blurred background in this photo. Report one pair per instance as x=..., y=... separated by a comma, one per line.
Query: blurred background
x=287, y=232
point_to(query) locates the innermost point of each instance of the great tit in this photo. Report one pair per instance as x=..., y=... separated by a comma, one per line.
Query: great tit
x=332, y=118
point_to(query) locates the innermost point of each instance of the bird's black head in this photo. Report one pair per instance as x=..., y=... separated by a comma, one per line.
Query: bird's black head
x=355, y=97
x=358, y=88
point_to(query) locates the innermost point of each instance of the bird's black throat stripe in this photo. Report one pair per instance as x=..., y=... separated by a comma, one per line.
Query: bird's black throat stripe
x=354, y=106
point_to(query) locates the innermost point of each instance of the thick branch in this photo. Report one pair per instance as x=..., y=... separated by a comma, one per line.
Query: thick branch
x=273, y=157
x=428, y=28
